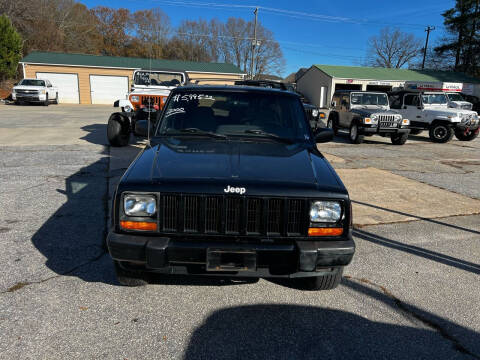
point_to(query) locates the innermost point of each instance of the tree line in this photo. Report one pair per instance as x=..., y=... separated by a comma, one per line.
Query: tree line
x=71, y=27
x=458, y=49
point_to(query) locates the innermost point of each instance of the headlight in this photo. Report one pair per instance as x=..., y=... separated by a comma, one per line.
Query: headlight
x=13, y=91
x=135, y=98
x=139, y=205
x=42, y=92
x=314, y=112
x=325, y=211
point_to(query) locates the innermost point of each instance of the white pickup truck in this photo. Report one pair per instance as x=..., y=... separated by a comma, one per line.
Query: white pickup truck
x=429, y=110
x=35, y=90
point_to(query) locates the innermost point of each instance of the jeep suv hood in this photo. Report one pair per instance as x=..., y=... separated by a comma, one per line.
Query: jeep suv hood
x=210, y=165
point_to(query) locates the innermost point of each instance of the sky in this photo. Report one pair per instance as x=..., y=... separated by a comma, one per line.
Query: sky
x=311, y=32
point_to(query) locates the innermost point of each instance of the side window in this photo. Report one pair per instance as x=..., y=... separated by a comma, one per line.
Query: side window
x=411, y=100
x=345, y=101
x=395, y=102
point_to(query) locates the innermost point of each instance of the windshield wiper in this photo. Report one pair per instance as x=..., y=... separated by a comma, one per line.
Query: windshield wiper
x=198, y=131
x=269, y=135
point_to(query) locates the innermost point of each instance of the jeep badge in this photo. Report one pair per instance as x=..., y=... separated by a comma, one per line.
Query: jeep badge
x=235, y=190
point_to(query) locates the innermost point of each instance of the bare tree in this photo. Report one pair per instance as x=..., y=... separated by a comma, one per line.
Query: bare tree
x=393, y=49
x=151, y=28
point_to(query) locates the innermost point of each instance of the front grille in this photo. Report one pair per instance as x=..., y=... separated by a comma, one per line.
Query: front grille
x=386, y=121
x=150, y=100
x=232, y=215
x=26, y=92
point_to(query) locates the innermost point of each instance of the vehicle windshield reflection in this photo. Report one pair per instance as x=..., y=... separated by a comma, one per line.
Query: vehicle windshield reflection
x=235, y=114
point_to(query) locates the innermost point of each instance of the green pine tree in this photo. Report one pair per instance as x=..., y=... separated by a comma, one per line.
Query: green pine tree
x=10, y=48
x=462, y=43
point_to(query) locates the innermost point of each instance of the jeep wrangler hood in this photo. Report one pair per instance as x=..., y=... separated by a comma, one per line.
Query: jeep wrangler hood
x=373, y=110
x=210, y=165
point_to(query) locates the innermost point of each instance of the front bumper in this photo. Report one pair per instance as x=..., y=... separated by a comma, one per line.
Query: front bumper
x=465, y=127
x=381, y=131
x=28, y=98
x=178, y=256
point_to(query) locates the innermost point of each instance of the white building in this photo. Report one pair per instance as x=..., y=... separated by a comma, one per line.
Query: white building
x=319, y=82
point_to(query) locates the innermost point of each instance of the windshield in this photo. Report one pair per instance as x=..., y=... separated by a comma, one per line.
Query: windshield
x=434, y=99
x=32, y=82
x=455, y=97
x=157, y=78
x=235, y=114
x=369, y=99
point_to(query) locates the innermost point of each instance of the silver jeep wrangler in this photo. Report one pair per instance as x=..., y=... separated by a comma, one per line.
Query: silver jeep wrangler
x=366, y=113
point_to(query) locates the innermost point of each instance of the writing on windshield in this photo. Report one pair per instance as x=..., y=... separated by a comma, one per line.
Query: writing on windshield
x=229, y=113
x=157, y=78
x=369, y=99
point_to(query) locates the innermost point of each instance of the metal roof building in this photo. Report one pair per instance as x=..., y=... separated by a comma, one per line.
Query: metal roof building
x=319, y=82
x=93, y=79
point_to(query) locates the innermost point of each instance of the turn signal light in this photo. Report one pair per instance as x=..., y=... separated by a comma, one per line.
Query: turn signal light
x=138, y=225
x=325, y=231
x=322, y=115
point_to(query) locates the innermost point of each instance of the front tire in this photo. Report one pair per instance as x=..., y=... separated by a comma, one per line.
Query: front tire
x=46, y=101
x=129, y=278
x=56, y=99
x=440, y=133
x=399, y=139
x=324, y=282
x=354, y=136
x=331, y=125
x=118, y=132
x=469, y=136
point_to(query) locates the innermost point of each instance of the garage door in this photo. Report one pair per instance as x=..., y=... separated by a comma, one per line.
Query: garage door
x=107, y=89
x=67, y=85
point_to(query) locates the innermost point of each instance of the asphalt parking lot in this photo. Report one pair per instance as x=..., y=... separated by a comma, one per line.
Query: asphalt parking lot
x=411, y=292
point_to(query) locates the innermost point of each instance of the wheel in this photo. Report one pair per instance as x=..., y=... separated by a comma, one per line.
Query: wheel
x=128, y=277
x=324, y=282
x=440, y=133
x=118, y=132
x=331, y=125
x=45, y=103
x=399, y=139
x=354, y=136
x=415, y=132
x=469, y=136
x=56, y=99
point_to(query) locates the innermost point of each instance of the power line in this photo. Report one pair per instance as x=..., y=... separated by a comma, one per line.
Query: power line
x=291, y=13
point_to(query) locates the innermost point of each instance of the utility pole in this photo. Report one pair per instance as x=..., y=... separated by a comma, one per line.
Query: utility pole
x=428, y=29
x=254, y=44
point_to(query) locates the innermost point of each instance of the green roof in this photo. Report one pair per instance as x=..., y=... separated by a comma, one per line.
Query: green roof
x=38, y=57
x=371, y=73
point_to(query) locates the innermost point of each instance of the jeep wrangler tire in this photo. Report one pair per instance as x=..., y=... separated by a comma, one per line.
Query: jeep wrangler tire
x=118, y=133
x=129, y=278
x=416, y=131
x=460, y=135
x=332, y=125
x=440, y=133
x=399, y=139
x=353, y=134
x=324, y=282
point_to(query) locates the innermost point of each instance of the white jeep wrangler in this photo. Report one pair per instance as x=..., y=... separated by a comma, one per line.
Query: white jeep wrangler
x=429, y=110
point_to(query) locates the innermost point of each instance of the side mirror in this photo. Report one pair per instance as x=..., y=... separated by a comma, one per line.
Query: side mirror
x=141, y=128
x=15, y=84
x=333, y=104
x=323, y=135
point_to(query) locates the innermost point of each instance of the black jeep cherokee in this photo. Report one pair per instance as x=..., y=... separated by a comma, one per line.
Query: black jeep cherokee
x=232, y=184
